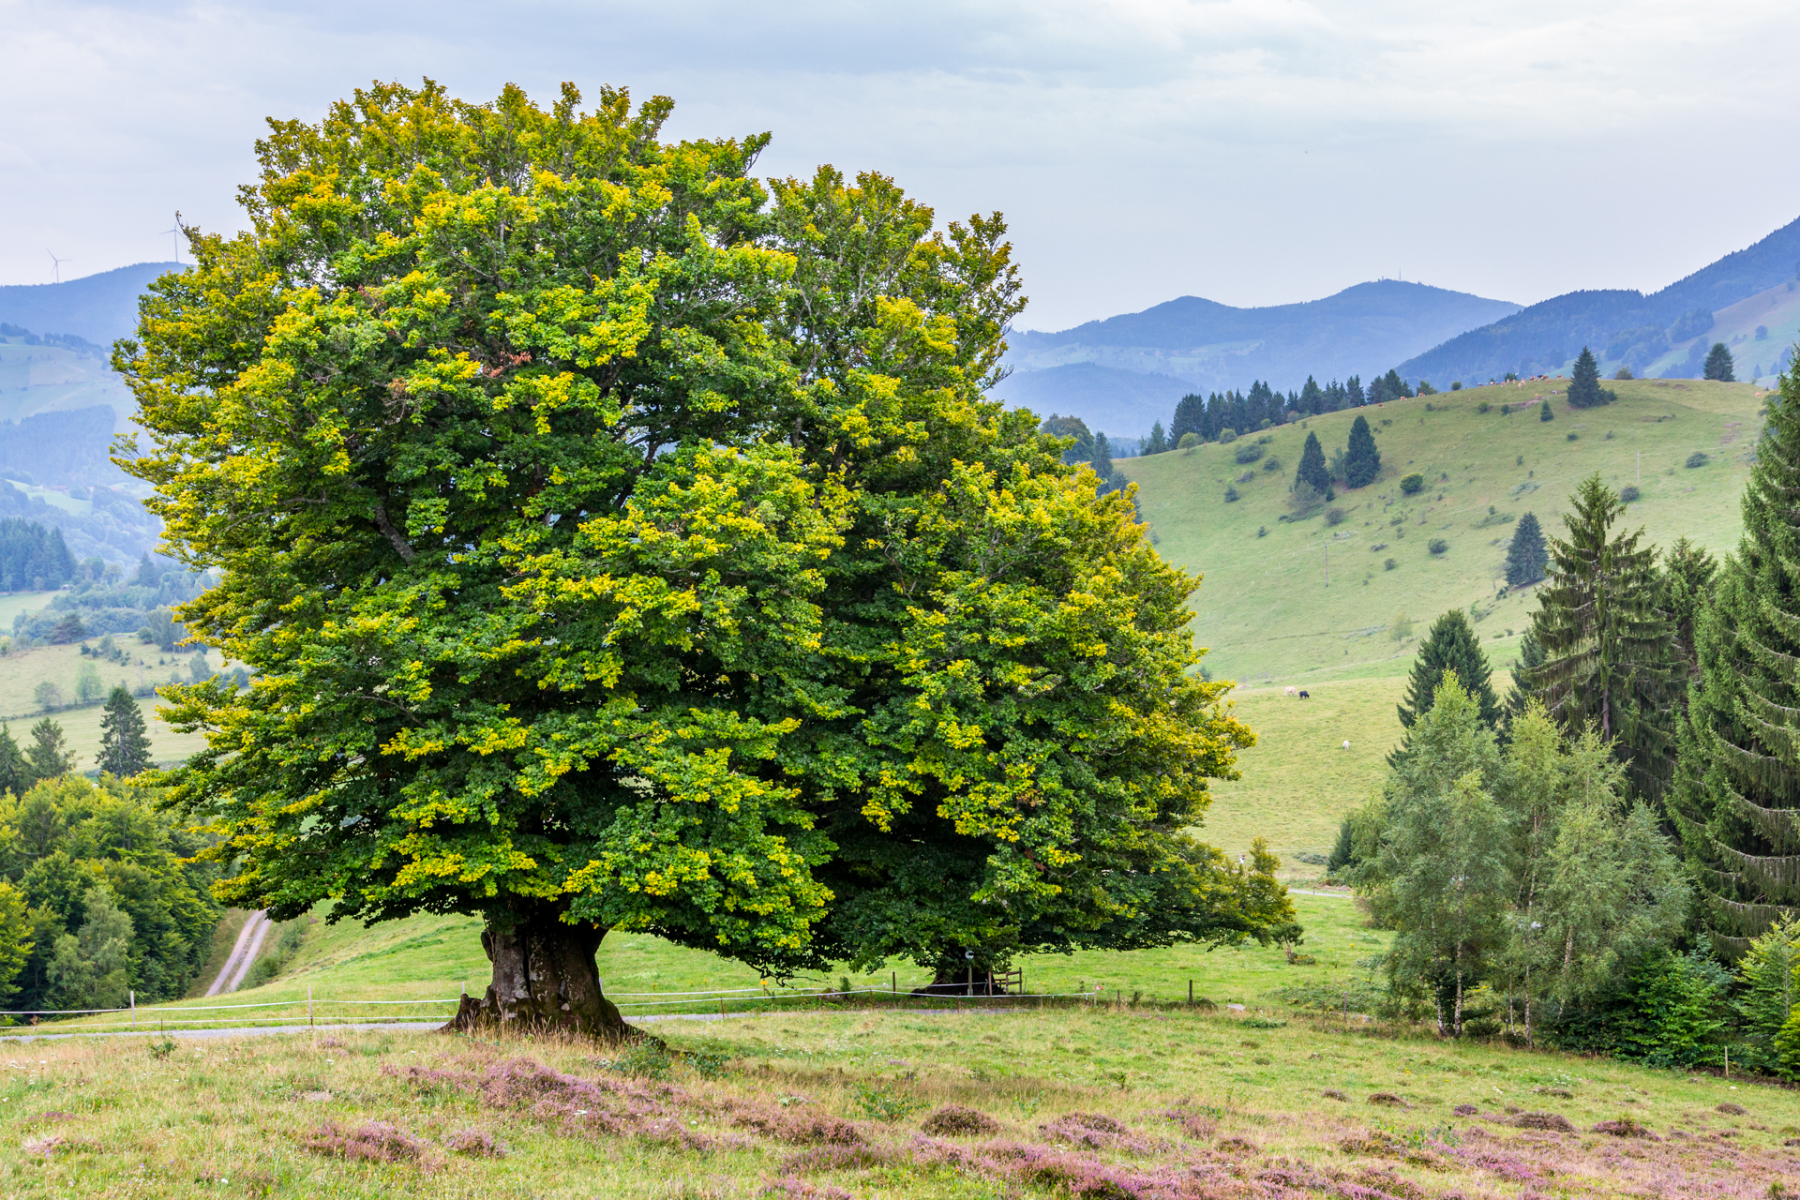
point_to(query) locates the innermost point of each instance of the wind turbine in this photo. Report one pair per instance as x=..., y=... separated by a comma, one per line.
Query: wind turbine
x=57, y=263
x=175, y=236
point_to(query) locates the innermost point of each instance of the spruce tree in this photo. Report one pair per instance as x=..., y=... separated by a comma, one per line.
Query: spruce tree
x=1584, y=385
x=1156, y=443
x=1736, y=798
x=1362, y=461
x=48, y=757
x=1718, y=364
x=1531, y=656
x=15, y=772
x=1313, y=472
x=1527, y=556
x=124, y=738
x=1608, y=647
x=1353, y=391
x=1190, y=417
x=1451, y=646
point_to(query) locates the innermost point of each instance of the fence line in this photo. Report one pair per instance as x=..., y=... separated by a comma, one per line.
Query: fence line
x=151, y=1019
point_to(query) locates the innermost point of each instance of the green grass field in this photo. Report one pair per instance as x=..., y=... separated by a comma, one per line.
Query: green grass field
x=1307, y=601
x=1102, y=1101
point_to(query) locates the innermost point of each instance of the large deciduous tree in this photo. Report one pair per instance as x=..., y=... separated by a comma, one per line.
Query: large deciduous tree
x=619, y=543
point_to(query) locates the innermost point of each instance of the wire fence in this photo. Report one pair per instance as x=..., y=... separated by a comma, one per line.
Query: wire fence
x=323, y=1012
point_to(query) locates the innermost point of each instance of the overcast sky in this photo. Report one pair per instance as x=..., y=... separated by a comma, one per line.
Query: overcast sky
x=1252, y=152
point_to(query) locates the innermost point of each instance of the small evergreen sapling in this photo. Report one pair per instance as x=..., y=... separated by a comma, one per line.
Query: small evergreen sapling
x=1312, y=471
x=1719, y=364
x=1527, y=556
x=1362, y=460
x=1584, y=385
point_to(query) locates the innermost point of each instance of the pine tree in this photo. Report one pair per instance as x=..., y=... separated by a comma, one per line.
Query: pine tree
x=1608, y=647
x=48, y=756
x=1313, y=472
x=1736, y=798
x=1362, y=461
x=1718, y=364
x=1544, y=412
x=1353, y=391
x=1527, y=556
x=15, y=771
x=1450, y=647
x=1395, y=386
x=1687, y=580
x=124, y=738
x=1190, y=417
x=1156, y=443
x=1584, y=384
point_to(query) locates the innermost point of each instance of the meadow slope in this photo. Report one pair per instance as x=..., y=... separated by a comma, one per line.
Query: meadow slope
x=1300, y=600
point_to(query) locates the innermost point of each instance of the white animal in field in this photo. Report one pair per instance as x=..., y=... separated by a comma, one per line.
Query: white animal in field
x=1291, y=692
x=1346, y=743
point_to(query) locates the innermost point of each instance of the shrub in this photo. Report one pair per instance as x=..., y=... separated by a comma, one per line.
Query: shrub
x=883, y=1100
x=1623, y=373
x=1456, y=385
x=1227, y=436
x=1483, y=407
x=1249, y=453
x=1188, y=441
x=1544, y=413
x=1412, y=485
x=1231, y=495
x=1437, y=546
x=1262, y=531
x=953, y=1119
x=1389, y=564
x=1573, y=435
x=1246, y=477
x=1271, y=463
x=1698, y=459
x=1335, y=516
x=1629, y=493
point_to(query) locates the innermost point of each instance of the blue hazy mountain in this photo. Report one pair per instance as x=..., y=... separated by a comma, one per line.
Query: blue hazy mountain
x=97, y=308
x=1123, y=373
x=1653, y=334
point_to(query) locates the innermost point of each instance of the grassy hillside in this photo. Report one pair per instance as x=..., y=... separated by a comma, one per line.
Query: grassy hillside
x=1307, y=601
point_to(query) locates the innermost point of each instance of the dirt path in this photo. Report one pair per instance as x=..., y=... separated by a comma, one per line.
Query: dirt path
x=243, y=954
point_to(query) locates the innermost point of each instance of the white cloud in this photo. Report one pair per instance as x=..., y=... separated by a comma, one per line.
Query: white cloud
x=1253, y=152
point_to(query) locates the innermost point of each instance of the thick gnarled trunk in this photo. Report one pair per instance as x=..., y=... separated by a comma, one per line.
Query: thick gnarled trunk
x=544, y=981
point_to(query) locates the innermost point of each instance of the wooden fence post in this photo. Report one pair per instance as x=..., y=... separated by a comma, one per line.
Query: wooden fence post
x=133, y=995
x=309, y=1008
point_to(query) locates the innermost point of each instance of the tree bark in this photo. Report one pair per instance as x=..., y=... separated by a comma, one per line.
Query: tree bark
x=544, y=980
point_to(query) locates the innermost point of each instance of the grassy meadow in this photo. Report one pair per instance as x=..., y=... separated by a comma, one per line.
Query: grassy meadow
x=22, y=669
x=870, y=1102
x=1306, y=601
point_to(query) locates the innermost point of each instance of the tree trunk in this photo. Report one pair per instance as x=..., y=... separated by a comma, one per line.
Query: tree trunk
x=544, y=980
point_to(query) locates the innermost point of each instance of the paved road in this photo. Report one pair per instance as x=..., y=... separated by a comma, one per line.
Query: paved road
x=243, y=954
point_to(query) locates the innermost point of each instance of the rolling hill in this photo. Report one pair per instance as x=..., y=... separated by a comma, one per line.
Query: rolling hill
x=98, y=308
x=1294, y=601
x=1647, y=332
x=1107, y=372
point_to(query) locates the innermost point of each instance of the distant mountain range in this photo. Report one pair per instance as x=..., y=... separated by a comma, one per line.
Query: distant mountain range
x=1124, y=373
x=1654, y=335
x=98, y=308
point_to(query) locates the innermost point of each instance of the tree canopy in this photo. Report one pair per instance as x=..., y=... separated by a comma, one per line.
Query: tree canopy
x=1450, y=647
x=619, y=543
